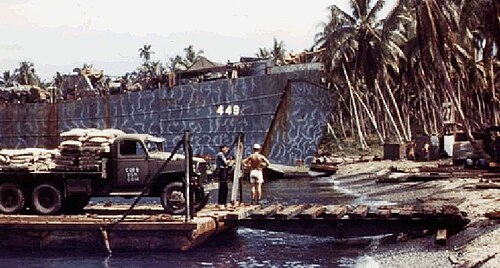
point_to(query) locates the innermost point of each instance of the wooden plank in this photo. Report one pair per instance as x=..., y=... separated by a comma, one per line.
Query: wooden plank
x=429, y=210
x=312, y=212
x=335, y=212
x=493, y=215
x=266, y=212
x=289, y=212
x=441, y=237
x=383, y=213
x=395, y=212
x=406, y=212
x=242, y=212
x=488, y=186
x=450, y=210
x=359, y=212
x=80, y=226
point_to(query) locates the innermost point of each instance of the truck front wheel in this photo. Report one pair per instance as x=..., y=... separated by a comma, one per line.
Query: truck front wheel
x=47, y=199
x=173, y=199
x=12, y=198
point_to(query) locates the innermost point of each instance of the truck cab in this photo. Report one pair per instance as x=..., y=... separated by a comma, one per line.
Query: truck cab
x=136, y=159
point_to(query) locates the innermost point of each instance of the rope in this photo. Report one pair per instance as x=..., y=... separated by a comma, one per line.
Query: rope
x=153, y=179
x=232, y=145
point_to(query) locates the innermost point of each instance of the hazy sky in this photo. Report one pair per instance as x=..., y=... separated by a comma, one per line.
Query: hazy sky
x=58, y=35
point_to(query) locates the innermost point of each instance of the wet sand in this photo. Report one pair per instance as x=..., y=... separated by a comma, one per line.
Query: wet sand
x=478, y=245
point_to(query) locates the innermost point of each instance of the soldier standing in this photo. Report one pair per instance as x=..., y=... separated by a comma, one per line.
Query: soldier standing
x=256, y=162
x=222, y=166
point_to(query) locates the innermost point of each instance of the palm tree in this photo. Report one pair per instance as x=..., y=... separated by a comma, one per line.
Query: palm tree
x=7, y=78
x=145, y=53
x=190, y=56
x=360, y=49
x=358, y=39
x=451, y=39
x=26, y=75
x=263, y=53
x=179, y=62
x=480, y=33
x=175, y=63
x=278, y=51
x=403, y=67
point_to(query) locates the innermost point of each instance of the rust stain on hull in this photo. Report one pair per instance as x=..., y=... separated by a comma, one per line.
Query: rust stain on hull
x=53, y=126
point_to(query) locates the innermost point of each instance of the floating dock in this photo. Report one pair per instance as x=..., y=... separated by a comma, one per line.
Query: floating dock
x=99, y=229
x=147, y=228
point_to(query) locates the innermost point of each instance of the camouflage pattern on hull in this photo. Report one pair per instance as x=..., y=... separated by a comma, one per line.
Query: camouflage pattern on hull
x=281, y=109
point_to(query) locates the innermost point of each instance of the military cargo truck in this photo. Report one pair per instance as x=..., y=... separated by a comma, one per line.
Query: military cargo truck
x=132, y=162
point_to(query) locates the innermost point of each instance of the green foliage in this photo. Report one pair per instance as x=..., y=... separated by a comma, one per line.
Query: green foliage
x=277, y=52
x=422, y=54
x=180, y=63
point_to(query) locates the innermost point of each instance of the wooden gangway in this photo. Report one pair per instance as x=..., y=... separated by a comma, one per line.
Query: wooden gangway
x=343, y=221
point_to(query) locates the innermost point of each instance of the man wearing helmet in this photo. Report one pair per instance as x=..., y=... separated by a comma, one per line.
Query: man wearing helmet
x=256, y=161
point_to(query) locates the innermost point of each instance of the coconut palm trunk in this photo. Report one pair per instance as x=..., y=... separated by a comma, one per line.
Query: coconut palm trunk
x=370, y=116
x=388, y=111
x=356, y=116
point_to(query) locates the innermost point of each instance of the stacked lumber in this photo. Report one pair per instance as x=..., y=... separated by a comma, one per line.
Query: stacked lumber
x=81, y=149
x=29, y=159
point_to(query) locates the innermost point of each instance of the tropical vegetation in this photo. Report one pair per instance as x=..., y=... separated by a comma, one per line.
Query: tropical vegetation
x=393, y=74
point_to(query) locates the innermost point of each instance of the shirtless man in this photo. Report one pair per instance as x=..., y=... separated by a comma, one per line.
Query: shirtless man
x=256, y=162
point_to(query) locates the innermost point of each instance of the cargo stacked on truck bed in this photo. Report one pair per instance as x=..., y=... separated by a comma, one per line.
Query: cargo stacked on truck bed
x=93, y=164
x=82, y=149
x=32, y=159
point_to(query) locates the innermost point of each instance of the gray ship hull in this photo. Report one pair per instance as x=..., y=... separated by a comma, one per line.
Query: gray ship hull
x=286, y=112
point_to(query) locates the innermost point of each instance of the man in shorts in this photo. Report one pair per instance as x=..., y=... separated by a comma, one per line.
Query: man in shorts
x=256, y=162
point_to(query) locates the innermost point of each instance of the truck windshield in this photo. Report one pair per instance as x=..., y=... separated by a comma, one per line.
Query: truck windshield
x=154, y=147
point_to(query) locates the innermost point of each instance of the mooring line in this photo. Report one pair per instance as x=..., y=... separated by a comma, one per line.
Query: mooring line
x=105, y=239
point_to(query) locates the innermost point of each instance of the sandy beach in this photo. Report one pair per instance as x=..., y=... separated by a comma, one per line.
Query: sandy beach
x=475, y=246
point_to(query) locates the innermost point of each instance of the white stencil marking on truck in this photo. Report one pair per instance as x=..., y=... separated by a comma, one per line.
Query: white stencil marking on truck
x=132, y=174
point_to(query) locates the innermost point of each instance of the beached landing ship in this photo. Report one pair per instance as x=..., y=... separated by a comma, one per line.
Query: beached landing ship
x=282, y=107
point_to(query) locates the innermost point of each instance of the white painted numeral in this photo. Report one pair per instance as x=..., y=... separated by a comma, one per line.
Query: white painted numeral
x=229, y=110
x=236, y=109
x=220, y=110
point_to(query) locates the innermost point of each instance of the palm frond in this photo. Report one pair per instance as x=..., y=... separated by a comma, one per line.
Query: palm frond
x=372, y=15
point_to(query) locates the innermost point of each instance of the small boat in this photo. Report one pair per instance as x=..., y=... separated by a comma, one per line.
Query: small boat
x=327, y=168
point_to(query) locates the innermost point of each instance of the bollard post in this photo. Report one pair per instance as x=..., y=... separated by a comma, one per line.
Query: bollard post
x=238, y=172
x=187, y=177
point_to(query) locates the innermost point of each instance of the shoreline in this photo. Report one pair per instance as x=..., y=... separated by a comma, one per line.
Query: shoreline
x=476, y=245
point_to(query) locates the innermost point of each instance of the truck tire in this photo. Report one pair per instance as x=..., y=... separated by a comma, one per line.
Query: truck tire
x=47, y=199
x=12, y=198
x=173, y=199
x=174, y=202
x=76, y=202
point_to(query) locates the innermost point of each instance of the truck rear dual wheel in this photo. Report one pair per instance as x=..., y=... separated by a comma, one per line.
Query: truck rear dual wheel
x=12, y=198
x=47, y=199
